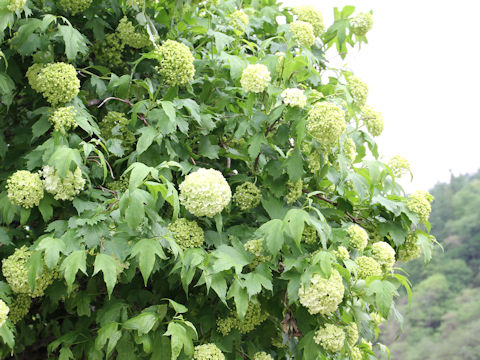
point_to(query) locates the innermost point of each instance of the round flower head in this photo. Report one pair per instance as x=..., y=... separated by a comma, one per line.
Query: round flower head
x=367, y=267
x=255, y=78
x=351, y=332
x=3, y=312
x=309, y=235
x=253, y=317
x=376, y=318
x=330, y=337
x=75, y=6
x=16, y=274
x=294, y=190
x=126, y=33
x=350, y=149
x=25, y=189
x=14, y=5
x=62, y=189
x=109, y=51
x=225, y=326
x=419, y=203
x=358, y=89
x=58, y=83
x=247, y=196
x=32, y=76
x=410, y=250
x=342, y=253
x=362, y=24
x=373, y=120
x=356, y=353
x=322, y=295
x=208, y=352
x=399, y=166
x=326, y=122
x=19, y=308
x=205, y=192
x=187, y=234
x=256, y=248
x=262, y=356
x=303, y=33
x=63, y=119
x=314, y=161
x=358, y=237
x=384, y=254
x=176, y=63
x=239, y=20
x=294, y=97
x=311, y=15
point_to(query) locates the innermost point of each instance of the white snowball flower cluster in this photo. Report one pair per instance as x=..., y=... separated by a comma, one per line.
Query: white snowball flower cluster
x=331, y=337
x=358, y=236
x=384, y=254
x=294, y=97
x=205, y=192
x=255, y=78
x=62, y=189
x=208, y=352
x=326, y=122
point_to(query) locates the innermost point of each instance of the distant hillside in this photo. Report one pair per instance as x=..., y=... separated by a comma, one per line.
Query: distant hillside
x=443, y=321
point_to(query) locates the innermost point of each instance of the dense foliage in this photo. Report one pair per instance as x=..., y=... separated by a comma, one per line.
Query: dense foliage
x=444, y=318
x=184, y=179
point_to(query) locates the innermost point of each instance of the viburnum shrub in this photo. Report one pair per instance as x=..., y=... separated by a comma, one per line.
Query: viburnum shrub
x=192, y=180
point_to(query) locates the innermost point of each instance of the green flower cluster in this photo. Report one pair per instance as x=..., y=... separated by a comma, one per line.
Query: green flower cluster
x=326, y=122
x=331, y=337
x=247, y=196
x=358, y=89
x=239, y=20
x=63, y=119
x=314, y=161
x=373, y=120
x=262, y=355
x=16, y=274
x=119, y=185
x=126, y=33
x=176, y=63
x=19, y=307
x=358, y=237
x=62, y=189
x=309, y=235
x=362, y=24
x=399, y=165
x=255, y=78
x=109, y=51
x=256, y=248
x=351, y=333
x=253, y=317
x=295, y=190
x=410, y=249
x=350, y=149
x=25, y=189
x=137, y=3
x=322, y=295
x=115, y=126
x=75, y=6
x=294, y=97
x=384, y=254
x=367, y=267
x=208, y=352
x=303, y=33
x=342, y=253
x=376, y=318
x=4, y=309
x=356, y=353
x=419, y=203
x=14, y=5
x=57, y=82
x=205, y=192
x=311, y=15
x=187, y=234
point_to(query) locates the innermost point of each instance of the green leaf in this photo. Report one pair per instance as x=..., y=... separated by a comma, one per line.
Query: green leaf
x=52, y=248
x=142, y=323
x=139, y=172
x=294, y=165
x=110, y=268
x=384, y=292
x=397, y=233
x=108, y=332
x=240, y=296
x=228, y=257
x=294, y=223
x=146, y=250
x=221, y=40
x=180, y=338
x=179, y=308
x=273, y=232
x=4, y=237
x=35, y=268
x=63, y=157
x=207, y=149
x=255, y=144
x=236, y=64
x=40, y=127
x=169, y=109
x=74, y=41
x=7, y=335
x=146, y=139
x=77, y=260
x=45, y=207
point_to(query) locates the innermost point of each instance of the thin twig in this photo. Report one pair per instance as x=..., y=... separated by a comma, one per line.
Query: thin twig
x=353, y=218
x=115, y=194
x=126, y=101
x=108, y=165
x=229, y=161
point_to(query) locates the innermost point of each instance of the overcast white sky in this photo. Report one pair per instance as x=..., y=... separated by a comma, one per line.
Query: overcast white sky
x=422, y=65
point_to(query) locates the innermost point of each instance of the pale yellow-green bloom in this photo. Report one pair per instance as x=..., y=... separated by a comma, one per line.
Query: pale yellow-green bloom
x=309, y=235
x=294, y=97
x=410, y=249
x=362, y=24
x=350, y=149
x=262, y=356
x=358, y=89
x=239, y=20
x=294, y=190
x=342, y=253
x=19, y=307
x=311, y=15
x=358, y=237
x=384, y=254
x=4, y=309
x=399, y=165
x=419, y=203
x=126, y=32
x=63, y=119
x=331, y=337
x=187, y=234
x=208, y=352
x=326, y=122
x=14, y=5
x=367, y=267
x=247, y=196
x=255, y=78
x=356, y=353
x=75, y=6
x=63, y=188
x=25, y=189
x=176, y=63
x=253, y=317
x=256, y=248
x=303, y=33
x=373, y=120
x=58, y=83
x=351, y=332
x=205, y=192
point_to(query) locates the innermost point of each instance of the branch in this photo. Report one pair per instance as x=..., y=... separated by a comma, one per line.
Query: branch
x=126, y=101
x=108, y=164
x=353, y=218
